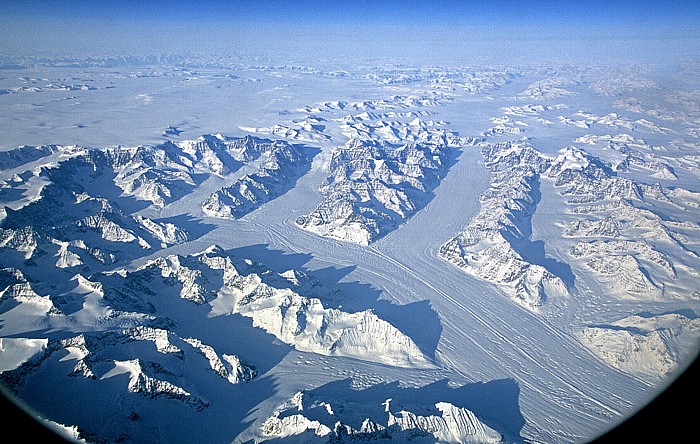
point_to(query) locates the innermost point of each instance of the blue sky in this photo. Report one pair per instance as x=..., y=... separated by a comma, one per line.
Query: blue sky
x=295, y=25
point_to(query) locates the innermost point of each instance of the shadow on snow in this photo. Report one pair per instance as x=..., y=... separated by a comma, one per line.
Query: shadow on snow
x=495, y=403
x=417, y=320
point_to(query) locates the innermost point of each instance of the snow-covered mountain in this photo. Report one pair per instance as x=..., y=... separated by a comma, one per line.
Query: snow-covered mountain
x=281, y=166
x=488, y=247
x=76, y=213
x=17, y=291
x=230, y=287
x=372, y=188
x=620, y=229
x=445, y=253
x=159, y=364
x=647, y=346
x=449, y=423
x=151, y=357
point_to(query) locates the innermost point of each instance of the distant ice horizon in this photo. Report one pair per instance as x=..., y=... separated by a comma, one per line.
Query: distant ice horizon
x=427, y=32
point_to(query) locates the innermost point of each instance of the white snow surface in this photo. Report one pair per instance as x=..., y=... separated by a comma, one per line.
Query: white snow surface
x=446, y=254
x=644, y=346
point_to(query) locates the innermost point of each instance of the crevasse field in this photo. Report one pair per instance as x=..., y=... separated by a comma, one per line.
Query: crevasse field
x=247, y=248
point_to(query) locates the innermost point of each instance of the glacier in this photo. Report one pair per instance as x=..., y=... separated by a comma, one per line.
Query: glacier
x=345, y=250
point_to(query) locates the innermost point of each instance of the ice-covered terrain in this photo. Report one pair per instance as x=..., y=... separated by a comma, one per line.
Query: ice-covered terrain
x=449, y=424
x=343, y=252
x=647, y=345
x=374, y=187
x=489, y=246
x=619, y=232
x=282, y=165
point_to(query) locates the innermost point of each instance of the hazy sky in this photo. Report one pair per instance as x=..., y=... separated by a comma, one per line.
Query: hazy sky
x=333, y=28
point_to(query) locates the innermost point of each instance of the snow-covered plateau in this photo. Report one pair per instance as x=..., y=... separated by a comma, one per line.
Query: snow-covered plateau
x=345, y=252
